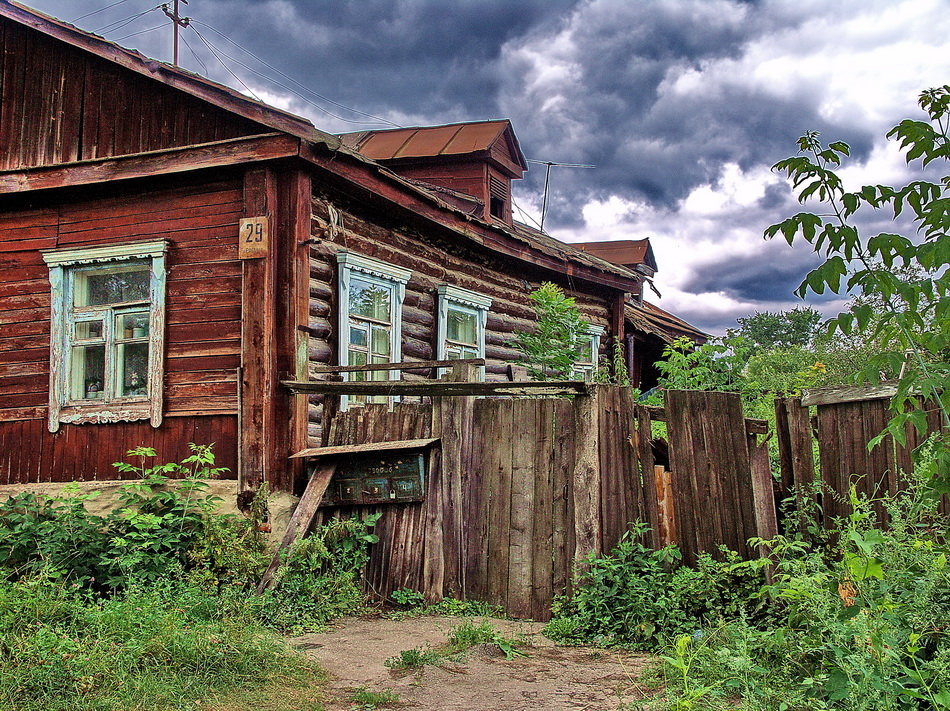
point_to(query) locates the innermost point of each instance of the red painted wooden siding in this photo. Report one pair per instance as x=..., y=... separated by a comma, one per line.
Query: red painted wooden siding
x=60, y=104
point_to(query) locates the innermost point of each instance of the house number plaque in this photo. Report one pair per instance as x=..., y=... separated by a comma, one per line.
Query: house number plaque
x=253, y=237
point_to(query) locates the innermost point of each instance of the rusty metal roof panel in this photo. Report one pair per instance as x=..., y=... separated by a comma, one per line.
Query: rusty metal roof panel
x=429, y=142
x=628, y=252
x=475, y=137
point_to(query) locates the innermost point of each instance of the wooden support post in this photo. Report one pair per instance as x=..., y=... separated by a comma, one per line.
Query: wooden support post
x=258, y=347
x=588, y=537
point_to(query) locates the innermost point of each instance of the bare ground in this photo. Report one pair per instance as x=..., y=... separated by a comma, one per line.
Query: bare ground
x=550, y=678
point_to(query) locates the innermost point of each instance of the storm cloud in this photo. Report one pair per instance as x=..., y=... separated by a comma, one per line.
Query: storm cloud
x=682, y=105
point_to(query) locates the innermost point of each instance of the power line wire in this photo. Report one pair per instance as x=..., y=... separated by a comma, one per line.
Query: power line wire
x=218, y=51
x=124, y=22
x=294, y=81
x=96, y=12
x=227, y=68
x=140, y=32
x=195, y=55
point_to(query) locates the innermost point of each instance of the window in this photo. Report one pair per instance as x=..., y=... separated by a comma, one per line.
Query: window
x=371, y=295
x=587, y=348
x=108, y=327
x=461, y=327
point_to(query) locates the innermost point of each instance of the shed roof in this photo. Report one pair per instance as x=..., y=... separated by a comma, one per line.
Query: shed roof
x=430, y=141
x=650, y=318
x=628, y=252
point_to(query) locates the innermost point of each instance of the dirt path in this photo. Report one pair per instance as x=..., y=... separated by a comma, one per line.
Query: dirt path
x=550, y=678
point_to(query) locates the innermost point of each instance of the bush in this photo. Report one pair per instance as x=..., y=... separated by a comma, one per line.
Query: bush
x=320, y=578
x=640, y=598
x=862, y=623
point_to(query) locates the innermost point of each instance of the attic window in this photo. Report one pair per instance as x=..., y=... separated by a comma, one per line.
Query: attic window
x=498, y=198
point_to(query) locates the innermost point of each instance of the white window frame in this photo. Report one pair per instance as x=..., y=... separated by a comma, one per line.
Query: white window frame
x=378, y=272
x=585, y=370
x=63, y=264
x=464, y=300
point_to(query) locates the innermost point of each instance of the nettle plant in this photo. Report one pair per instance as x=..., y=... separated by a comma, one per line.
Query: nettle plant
x=913, y=313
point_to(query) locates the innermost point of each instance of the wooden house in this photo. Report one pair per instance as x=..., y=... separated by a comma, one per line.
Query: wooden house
x=170, y=250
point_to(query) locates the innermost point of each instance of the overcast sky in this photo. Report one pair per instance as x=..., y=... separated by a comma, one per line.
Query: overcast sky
x=682, y=105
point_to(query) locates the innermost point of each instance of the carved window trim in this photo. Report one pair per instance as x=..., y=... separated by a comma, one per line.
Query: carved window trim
x=464, y=300
x=386, y=275
x=63, y=264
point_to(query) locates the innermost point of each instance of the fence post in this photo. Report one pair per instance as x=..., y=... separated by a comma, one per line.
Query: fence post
x=585, y=478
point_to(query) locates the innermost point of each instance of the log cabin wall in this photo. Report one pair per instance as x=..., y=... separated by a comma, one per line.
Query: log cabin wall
x=433, y=261
x=203, y=332
x=60, y=104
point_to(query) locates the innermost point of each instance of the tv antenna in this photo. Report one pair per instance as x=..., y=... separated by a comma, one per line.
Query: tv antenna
x=178, y=22
x=547, y=180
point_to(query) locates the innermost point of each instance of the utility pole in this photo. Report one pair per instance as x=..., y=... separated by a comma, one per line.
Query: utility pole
x=177, y=22
x=547, y=179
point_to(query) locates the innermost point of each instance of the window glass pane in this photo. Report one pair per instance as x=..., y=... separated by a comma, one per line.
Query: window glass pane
x=88, y=330
x=358, y=337
x=461, y=326
x=381, y=343
x=585, y=349
x=87, y=372
x=133, y=325
x=370, y=300
x=132, y=369
x=115, y=285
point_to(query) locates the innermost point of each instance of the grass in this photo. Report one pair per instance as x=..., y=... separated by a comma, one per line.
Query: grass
x=369, y=700
x=461, y=638
x=156, y=648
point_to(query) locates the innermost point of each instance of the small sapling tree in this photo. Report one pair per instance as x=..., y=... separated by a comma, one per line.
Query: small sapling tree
x=550, y=350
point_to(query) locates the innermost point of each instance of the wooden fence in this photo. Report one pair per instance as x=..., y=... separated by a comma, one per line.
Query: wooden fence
x=845, y=420
x=519, y=490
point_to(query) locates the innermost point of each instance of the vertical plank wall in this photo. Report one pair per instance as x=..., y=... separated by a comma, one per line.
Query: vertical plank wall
x=498, y=521
x=842, y=432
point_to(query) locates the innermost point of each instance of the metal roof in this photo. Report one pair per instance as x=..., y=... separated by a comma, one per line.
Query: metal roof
x=628, y=252
x=650, y=318
x=430, y=141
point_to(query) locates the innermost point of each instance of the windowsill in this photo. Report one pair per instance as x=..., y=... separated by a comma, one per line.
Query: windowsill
x=100, y=413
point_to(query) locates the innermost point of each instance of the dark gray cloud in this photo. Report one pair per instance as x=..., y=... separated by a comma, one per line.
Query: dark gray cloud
x=770, y=275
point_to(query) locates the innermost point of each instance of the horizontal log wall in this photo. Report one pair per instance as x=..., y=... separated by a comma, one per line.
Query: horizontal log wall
x=432, y=263
x=60, y=104
x=202, y=340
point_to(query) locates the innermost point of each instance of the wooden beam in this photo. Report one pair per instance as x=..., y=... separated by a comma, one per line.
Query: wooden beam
x=314, y=452
x=259, y=391
x=752, y=425
x=419, y=365
x=438, y=388
x=848, y=393
x=251, y=149
x=301, y=520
